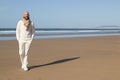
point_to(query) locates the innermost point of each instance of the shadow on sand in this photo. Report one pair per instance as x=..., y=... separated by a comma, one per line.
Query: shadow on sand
x=55, y=62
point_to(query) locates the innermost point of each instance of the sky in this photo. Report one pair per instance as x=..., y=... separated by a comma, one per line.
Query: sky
x=61, y=13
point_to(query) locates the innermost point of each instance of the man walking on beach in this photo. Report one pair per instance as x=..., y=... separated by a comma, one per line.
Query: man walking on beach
x=24, y=34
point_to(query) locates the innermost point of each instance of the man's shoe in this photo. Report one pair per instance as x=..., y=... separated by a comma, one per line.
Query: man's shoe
x=25, y=69
x=22, y=67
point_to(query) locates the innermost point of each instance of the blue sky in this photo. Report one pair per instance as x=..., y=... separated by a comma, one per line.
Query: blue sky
x=61, y=13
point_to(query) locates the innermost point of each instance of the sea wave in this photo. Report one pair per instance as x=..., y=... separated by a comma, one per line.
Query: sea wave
x=47, y=34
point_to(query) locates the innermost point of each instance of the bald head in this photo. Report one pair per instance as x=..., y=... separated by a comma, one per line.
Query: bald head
x=26, y=15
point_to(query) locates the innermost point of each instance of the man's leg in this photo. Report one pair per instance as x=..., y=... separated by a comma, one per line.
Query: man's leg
x=27, y=47
x=22, y=51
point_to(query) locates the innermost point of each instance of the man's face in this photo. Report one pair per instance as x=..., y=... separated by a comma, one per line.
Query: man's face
x=26, y=15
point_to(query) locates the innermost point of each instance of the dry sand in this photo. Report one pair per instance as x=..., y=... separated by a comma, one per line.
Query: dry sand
x=94, y=58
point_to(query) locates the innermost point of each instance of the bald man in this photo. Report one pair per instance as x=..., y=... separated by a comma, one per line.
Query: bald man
x=24, y=34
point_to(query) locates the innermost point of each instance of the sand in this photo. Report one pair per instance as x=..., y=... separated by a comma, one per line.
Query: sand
x=92, y=58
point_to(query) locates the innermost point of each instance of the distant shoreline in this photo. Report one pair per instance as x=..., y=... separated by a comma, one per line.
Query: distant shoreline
x=1, y=29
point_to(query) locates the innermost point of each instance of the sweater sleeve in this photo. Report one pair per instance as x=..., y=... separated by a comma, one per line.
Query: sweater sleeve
x=33, y=30
x=18, y=31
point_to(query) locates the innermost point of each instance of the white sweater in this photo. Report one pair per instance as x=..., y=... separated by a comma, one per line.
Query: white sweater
x=22, y=34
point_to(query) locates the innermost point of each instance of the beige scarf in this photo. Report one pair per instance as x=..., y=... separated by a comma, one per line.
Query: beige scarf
x=26, y=23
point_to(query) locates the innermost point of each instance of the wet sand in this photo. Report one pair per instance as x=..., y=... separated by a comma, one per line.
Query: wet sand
x=94, y=58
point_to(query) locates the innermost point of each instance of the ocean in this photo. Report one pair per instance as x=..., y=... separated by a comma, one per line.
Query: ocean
x=50, y=33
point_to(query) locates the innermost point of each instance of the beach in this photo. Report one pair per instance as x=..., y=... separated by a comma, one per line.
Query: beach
x=87, y=58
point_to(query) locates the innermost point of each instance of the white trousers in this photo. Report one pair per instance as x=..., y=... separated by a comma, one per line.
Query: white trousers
x=23, y=52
